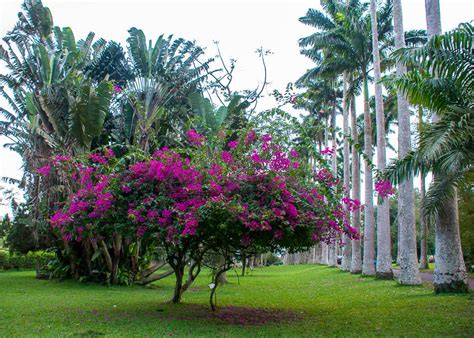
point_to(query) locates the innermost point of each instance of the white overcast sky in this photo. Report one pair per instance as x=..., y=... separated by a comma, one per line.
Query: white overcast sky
x=240, y=26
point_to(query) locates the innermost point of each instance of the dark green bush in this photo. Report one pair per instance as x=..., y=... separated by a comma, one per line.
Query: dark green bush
x=32, y=260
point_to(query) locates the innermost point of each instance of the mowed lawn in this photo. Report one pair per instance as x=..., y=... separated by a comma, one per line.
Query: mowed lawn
x=304, y=300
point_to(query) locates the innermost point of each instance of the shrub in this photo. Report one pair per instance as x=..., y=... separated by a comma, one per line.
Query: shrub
x=32, y=260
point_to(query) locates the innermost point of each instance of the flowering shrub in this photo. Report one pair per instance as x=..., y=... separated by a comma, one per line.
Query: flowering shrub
x=252, y=196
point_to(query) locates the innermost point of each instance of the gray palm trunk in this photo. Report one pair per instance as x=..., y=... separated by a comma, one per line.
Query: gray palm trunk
x=384, y=255
x=424, y=221
x=408, y=260
x=450, y=272
x=346, y=249
x=332, y=254
x=356, y=262
x=424, y=224
x=368, y=266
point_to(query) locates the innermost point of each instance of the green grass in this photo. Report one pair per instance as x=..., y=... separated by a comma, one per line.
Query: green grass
x=323, y=301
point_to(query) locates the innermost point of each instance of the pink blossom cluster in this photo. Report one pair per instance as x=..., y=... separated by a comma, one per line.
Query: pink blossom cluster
x=327, y=151
x=384, y=188
x=195, y=138
x=260, y=195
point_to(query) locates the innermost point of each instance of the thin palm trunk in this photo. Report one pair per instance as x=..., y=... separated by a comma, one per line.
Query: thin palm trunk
x=424, y=221
x=332, y=259
x=356, y=262
x=346, y=249
x=368, y=266
x=408, y=260
x=450, y=272
x=384, y=256
x=424, y=228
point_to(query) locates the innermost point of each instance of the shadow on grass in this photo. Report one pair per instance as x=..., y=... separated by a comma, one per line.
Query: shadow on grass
x=225, y=315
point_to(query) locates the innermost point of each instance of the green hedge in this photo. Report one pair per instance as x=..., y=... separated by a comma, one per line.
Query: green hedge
x=9, y=261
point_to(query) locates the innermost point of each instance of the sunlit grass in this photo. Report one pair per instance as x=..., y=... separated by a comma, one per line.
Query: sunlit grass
x=321, y=301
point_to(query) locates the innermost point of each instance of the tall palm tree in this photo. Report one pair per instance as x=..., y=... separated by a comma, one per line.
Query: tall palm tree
x=409, y=273
x=446, y=147
x=345, y=38
x=384, y=252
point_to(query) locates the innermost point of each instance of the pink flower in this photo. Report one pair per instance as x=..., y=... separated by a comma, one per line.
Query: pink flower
x=233, y=144
x=250, y=138
x=44, y=171
x=108, y=153
x=195, y=138
x=97, y=158
x=384, y=188
x=117, y=89
x=327, y=151
x=293, y=153
x=227, y=157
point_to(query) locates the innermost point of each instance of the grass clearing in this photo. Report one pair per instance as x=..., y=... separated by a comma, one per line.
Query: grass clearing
x=296, y=300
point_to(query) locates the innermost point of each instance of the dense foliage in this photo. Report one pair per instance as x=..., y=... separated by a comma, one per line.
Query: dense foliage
x=253, y=197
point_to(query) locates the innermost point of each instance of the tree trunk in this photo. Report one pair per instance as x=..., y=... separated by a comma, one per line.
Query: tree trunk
x=346, y=249
x=117, y=247
x=179, y=274
x=407, y=256
x=450, y=272
x=433, y=17
x=368, y=266
x=244, y=264
x=332, y=255
x=356, y=262
x=384, y=252
x=324, y=254
x=424, y=221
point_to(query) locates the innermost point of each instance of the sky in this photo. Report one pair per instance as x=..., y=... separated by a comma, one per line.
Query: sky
x=240, y=27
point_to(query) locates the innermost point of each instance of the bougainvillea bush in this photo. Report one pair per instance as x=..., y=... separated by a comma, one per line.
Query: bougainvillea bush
x=216, y=196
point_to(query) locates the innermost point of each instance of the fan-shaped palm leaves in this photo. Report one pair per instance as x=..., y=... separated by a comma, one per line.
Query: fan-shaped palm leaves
x=165, y=74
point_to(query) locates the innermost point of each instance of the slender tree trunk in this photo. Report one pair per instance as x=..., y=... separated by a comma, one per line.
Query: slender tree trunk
x=324, y=254
x=424, y=221
x=408, y=260
x=332, y=256
x=346, y=249
x=384, y=252
x=433, y=17
x=424, y=264
x=244, y=264
x=450, y=272
x=356, y=262
x=368, y=266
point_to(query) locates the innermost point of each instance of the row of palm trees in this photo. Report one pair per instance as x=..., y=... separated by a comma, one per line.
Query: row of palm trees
x=356, y=42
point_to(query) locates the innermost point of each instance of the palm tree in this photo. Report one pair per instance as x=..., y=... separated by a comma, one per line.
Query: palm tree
x=345, y=38
x=409, y=273
x=164, y=75
x=445, y=86
x=384, y=255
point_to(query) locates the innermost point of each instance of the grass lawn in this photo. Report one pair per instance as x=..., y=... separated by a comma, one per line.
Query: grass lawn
x=302, y=300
